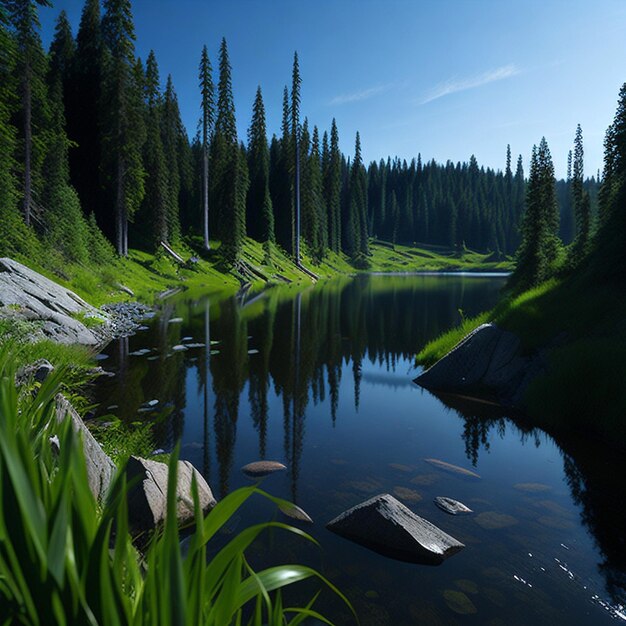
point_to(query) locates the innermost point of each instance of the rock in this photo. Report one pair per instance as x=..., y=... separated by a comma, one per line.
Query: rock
x=147, y=498
x=32, y=296
x=34, y=372
x=253, y=351
x=492, y=520
x=151, y=402
x=179, y=348
x=126, y=289
x=424, y=479
x=486, y=363
x=295, y=512
x=453, y=469
x=454, y=507
x=406, y=494
x=176, y=320
x=100, y=468
x=558, y=523
x=386, y=526
x=458, y=602
x=195, y=345
x=466, y=586
x=259, y=469
x=532, y=487
x=400, y=468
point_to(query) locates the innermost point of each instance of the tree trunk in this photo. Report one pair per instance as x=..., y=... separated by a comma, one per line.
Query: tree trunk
x=297, y=199
x=205, y=196
x=28, y=142
x=119, y=209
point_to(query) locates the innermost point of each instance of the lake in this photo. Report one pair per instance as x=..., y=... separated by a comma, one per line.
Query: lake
x=321, y=380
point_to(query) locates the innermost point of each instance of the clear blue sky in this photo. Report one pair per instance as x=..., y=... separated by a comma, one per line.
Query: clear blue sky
x=446, y=78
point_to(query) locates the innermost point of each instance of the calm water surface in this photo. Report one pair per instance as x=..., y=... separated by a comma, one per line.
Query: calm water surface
x=322, y=380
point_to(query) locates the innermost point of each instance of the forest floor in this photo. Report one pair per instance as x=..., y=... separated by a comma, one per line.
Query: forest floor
x=146, y=275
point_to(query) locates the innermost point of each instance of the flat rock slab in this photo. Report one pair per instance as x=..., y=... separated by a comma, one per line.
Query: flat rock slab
x=147, y=498
x=258, y=469
x=385, y=525
x=453, y=469
x=532, y=487
x=32, y=296
x=406, y=494
x=453, y=507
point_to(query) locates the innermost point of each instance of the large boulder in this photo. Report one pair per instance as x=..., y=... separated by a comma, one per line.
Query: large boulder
x=147, y=496
x=488, y=363
x=28, y=295
x=386, y=526
x=100, y=468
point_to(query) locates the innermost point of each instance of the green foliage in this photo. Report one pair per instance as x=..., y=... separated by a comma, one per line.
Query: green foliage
x=62, y=563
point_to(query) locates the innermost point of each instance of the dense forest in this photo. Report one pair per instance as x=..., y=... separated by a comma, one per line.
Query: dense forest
x=94, y=153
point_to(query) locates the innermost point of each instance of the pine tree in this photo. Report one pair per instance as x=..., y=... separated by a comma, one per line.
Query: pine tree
x=539, y=246
x=260, y=214
x=31, y=70
x=83, y=100
x=176, y=153
x=296, y=82
x=332, y=190
x=123, y=124
x=581, y=204
x=229, y=170
x=155, y=208
x=206, y=122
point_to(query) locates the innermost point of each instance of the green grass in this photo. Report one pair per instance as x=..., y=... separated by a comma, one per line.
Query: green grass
x=66, y=559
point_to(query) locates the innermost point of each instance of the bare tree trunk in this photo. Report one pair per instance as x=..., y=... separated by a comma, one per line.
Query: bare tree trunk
x=120, y=210
x=28, y=142
x=207, y=369
x=205, y=195
x=297, y=200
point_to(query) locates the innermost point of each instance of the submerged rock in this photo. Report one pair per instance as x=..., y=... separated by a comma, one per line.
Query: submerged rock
x=406, y=494
x=386, y=526
x=532, y=487
x=453, y=469
x=454, y=507
x=491, y=520
x=259, y=469
x=458, y=602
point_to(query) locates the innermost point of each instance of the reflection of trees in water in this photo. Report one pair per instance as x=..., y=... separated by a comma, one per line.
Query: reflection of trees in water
x=594, y=473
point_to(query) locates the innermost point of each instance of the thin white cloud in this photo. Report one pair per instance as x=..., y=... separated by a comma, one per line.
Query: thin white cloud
x=454, y=85
x=358, y=96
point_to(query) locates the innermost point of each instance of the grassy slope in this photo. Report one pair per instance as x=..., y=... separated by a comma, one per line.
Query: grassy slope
x=583, y=389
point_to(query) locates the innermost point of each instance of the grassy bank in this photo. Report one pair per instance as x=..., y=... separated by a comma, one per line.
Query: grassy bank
x=583, y=389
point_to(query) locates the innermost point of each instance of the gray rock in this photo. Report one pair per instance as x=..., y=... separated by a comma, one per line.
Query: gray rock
x=454, y=507
x=179, y=348
x=386, y=526
x=100, y=468
x=147, y=497
x=35, y=372
x=259, y=469
x=32, y=296
x=487, y=363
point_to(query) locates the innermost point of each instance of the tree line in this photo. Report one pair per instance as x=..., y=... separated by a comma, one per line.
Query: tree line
x=93, y=144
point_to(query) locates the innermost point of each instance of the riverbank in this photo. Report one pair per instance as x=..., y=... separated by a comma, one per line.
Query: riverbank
x=581, y=390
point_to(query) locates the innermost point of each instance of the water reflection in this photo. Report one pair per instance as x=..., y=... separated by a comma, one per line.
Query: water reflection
x=320, y=380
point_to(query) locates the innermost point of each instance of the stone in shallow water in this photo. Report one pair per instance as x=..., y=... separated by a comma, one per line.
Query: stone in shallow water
x=425, y=479
x=491, y=520
x=295, y=512
x=406, y=494
x=385, y=525
x=458, y=602
x=369, y=485
x=454, y=507
x=532, y=487
x=262, y=468
x=453, y=469
x=400, y=468
x=558, y=523
x=467, y=586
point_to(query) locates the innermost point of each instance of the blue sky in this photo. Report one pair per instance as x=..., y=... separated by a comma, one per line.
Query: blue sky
x=446, y=78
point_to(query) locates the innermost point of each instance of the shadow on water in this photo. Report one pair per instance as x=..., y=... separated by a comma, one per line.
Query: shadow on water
x=594, y=473
x=321, y=380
